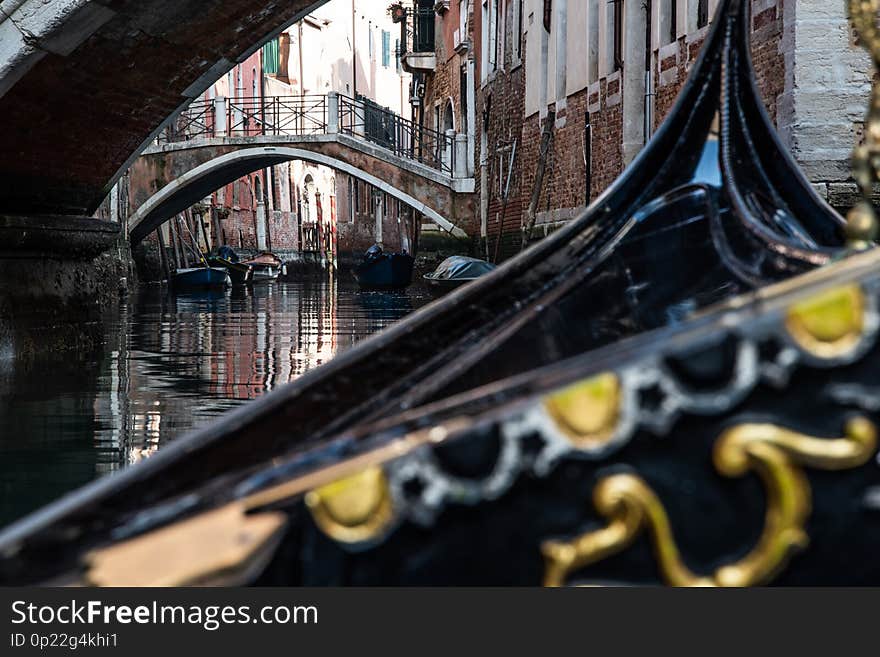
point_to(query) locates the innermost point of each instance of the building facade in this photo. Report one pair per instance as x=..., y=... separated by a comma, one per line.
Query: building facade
x=350, y=47
x=558, y=96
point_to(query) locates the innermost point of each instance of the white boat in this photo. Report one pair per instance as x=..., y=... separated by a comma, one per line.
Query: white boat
x=265, y=267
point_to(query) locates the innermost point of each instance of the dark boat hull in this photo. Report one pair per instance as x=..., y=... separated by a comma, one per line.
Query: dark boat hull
x=388, y=272
x=239, y=273
x=201, y=278
x=439, y=287
x=592, y=283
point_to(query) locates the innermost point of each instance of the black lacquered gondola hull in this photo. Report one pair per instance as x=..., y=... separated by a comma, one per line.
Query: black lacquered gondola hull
x=664, y=243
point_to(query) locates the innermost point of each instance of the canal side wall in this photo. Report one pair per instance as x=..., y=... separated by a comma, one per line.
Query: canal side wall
x=58, y=275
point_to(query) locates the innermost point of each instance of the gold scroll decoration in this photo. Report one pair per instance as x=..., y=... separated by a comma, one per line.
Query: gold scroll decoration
x=831, y=324
x=587, y=413
x=775, y=454
x=354, y=510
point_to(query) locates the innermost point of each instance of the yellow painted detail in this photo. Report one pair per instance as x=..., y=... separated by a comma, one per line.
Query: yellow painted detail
x=355, y=509
x=831, y=324
x=588, y=412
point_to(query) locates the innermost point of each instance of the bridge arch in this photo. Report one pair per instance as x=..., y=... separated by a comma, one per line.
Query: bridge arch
x=203, y=179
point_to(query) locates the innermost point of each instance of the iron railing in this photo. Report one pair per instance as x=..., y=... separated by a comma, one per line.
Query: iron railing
x=277, y=115
x=197, y=120
x=308, y=115
x=420, y=27
x=405, y=138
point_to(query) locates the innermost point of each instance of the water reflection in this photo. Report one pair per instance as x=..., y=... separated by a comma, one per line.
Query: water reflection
x=170, y=364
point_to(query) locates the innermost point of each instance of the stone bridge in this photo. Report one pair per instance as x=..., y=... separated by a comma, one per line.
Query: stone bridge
x=86, y=85
x=213, y=143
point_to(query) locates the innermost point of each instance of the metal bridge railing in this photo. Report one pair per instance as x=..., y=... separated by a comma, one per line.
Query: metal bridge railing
x=197, y=120
x=367, y=120
x=310, y=115
x=277, y=115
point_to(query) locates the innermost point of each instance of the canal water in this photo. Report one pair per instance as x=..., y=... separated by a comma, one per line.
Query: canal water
x=168, y=364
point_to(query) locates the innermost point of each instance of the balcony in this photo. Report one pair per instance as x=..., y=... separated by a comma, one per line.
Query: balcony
x=418, y=47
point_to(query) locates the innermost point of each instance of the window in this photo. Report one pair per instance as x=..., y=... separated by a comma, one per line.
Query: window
x=672, y=36
x=496, y=35
x=423, y=26
x=386, y=49
x=702, y=13
x=491, y=45
x=518, y=25
x=463, y=85
x=617, y=34
x=397, y=54
x=271, y=57
x=463, y=18
x=561, y=49
x=593, y=61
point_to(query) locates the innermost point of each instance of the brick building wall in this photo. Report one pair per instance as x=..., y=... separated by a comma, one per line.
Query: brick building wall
x=563, y=194
x=605, y=104
x=356, y=220
x=500, y=107
x=674, y=61
x=767, y=52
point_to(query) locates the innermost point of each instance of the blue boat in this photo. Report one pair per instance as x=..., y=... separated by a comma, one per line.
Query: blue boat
x=384, y=271
x=202, y=277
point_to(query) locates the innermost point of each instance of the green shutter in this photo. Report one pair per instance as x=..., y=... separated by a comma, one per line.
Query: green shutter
x=386, y=49
x=271, y=57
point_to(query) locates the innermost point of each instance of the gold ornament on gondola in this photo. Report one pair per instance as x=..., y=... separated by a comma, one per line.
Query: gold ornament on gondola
x=862, y=224
x=587, y=413
x=354, y=510
x=831, y=324
x=775, y=454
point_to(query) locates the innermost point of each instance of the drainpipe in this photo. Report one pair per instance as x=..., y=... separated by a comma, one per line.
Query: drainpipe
x=354, y=62
x=484, y=180
x=302, y=83
x=268, y=174
x=649, y=73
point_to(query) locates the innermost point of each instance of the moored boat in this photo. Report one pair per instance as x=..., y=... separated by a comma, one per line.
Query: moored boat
x=384, y=271
x=712, y=208
x=239, y=273
x=201, y=277
x=266, y=267
x=455, y=271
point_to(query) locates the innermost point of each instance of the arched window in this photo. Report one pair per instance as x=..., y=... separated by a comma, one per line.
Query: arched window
x=448, y=116
x=308, y=193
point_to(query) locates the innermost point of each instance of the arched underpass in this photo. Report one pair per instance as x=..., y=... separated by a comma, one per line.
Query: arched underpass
x=168, y=179
x=85, y=85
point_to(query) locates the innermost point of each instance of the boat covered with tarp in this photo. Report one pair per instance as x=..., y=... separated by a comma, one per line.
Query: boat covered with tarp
x=667, y=369
x=456, y=271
